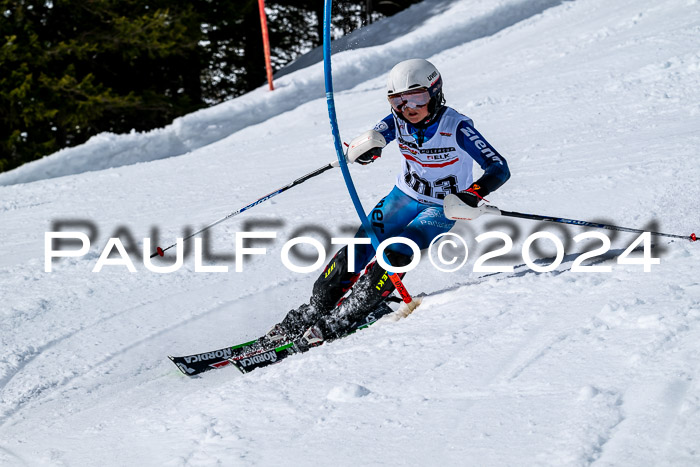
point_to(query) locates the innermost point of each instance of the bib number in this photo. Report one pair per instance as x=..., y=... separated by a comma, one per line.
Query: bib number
x=437, y=189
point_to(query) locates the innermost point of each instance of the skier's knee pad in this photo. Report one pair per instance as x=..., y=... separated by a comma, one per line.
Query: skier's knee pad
x=333, y=282
x=336, y=270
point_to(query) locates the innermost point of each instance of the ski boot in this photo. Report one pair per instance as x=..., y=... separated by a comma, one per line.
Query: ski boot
x=370, y=292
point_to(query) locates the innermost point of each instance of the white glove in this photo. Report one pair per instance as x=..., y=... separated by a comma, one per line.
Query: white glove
x=366, y=148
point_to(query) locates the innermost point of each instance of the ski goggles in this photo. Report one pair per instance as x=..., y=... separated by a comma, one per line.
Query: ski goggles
x=413, y=99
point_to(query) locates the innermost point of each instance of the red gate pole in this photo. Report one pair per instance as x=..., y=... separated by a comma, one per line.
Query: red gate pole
x=266, y=42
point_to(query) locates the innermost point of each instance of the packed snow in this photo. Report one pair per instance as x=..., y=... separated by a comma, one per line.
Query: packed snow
x=595, y=105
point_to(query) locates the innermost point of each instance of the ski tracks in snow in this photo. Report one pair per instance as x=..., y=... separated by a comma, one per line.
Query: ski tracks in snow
x=527, y=341
x=40, y=373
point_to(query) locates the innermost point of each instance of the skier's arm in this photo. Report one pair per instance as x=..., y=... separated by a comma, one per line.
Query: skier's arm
x=496, y=171
x=387, y=127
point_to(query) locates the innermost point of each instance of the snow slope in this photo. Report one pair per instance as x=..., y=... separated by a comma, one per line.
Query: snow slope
x=596, y=106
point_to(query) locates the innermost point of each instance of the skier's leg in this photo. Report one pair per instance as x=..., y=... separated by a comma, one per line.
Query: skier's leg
x=331, y=285
x=427, y=225
x=389, y=217
x=367, y=294
x=375, y=284
x=335, y=281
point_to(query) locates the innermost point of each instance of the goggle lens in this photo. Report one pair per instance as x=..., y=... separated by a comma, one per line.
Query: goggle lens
x=412, y=99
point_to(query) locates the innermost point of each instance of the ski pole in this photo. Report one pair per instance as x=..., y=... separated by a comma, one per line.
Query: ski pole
x=456, y=209
x=161, y=251
x=596, y=225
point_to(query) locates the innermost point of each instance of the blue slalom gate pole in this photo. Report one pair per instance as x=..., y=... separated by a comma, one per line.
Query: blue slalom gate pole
x=395, y=279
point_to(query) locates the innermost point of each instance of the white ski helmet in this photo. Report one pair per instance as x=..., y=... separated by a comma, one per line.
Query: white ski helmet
x=417, y=73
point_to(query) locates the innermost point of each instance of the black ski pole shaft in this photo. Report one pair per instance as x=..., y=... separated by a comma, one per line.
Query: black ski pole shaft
x=596, y=225
x=161, y=251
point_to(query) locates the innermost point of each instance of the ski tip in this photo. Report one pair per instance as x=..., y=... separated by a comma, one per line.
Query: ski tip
x=183, y=369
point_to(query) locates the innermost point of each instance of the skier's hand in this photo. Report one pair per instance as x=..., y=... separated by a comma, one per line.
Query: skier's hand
x=366, y=148
x=472, y=195
x=369, y=156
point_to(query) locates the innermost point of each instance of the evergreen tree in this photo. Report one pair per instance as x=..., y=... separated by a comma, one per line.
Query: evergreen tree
x=73, y=68
x=70, y=69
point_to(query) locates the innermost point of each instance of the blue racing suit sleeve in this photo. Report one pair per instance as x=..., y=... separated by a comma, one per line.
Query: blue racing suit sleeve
x=387, y=127
x=496, y=171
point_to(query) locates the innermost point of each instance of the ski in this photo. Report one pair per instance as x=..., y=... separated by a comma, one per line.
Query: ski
x=273, y=355
x=257, y=353
x=265, y=357
x=192, y=365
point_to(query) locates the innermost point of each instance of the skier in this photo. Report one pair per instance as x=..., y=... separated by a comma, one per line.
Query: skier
x=438, y=145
